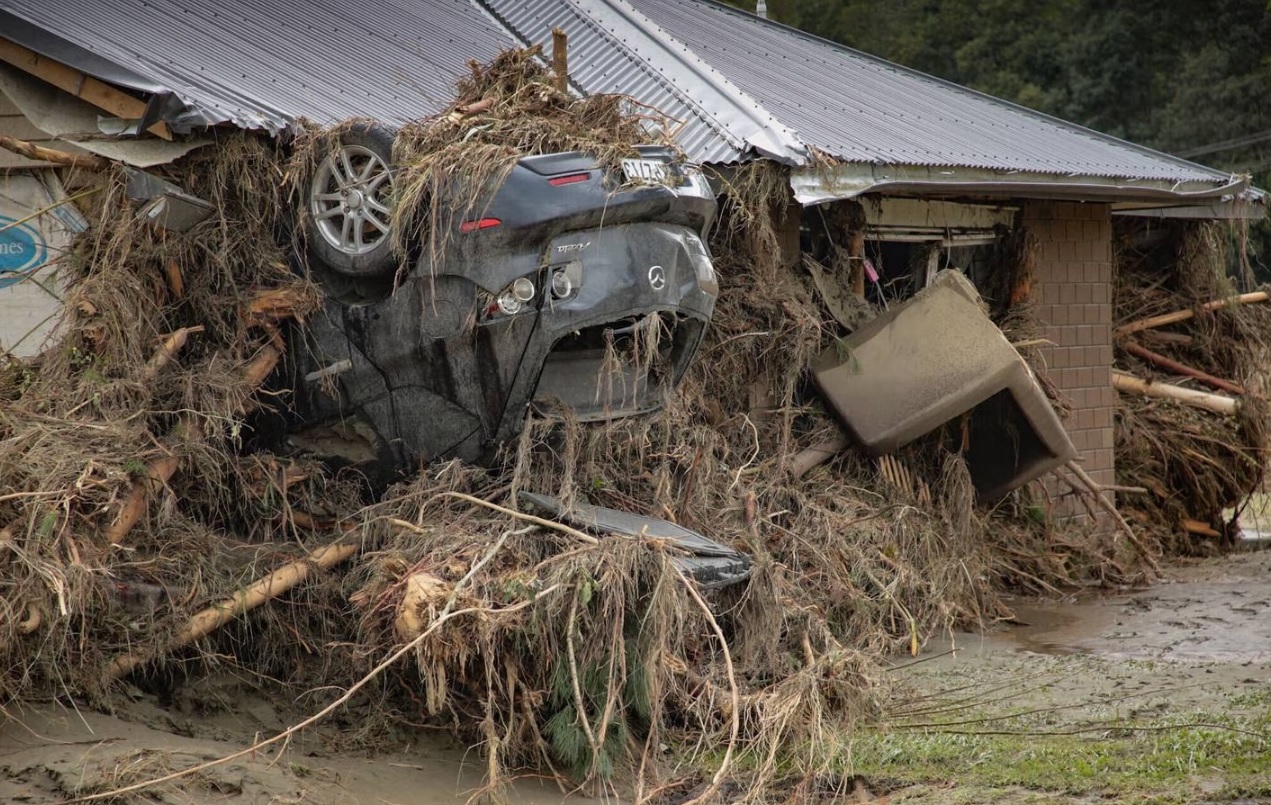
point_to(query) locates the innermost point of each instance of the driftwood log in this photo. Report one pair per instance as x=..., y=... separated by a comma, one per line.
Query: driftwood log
x=1184, y=315
x=1124, y=381
x=44, y=154
x=816, y=455
x=208, y=620
x=1182, y=368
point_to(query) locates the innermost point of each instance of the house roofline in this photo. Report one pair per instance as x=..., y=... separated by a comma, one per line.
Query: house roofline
x=1235, y=196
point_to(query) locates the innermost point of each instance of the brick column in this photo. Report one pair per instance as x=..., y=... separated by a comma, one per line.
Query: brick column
x=1073, y=291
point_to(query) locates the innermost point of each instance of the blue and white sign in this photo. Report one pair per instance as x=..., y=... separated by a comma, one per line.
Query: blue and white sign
x=37, y=224
x=22, y=250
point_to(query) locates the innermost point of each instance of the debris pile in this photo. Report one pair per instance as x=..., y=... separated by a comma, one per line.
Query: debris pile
x=127, y=499
x=1191, y=353
x=137, y=522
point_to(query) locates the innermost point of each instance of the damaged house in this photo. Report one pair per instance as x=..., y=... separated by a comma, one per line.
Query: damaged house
x=905, y=173
x=504, y=233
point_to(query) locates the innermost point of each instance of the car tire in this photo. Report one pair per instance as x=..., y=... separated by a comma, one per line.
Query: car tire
x=348, y=208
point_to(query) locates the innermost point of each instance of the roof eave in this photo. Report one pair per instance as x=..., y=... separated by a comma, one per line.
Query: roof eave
x=1228, y=196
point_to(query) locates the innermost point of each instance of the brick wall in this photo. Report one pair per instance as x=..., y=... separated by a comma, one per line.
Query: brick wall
x=1073, y=291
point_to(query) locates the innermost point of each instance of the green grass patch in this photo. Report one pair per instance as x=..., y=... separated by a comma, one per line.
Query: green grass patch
x=1177, y=759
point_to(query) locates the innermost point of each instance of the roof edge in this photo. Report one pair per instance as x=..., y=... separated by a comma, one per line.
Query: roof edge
x=813, y=186
x=1075, y=128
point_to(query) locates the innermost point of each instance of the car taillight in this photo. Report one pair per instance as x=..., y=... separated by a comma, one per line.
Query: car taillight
x=565, y=279
x=511, y=299
x=573, y=178
x=482, y=223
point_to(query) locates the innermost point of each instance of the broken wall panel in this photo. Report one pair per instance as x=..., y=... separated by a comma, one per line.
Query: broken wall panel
x=36, y=229
x=932, y=359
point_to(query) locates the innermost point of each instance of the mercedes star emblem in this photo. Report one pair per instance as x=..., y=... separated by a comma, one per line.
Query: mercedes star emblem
x=657, y=278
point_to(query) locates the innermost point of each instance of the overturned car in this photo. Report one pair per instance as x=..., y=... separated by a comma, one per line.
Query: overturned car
x=572, y=288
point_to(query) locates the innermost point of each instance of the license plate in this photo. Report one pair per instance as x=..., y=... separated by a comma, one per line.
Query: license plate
x=647, y=171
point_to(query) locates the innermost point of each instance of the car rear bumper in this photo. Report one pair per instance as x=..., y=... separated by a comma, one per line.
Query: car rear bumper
x=624, y=340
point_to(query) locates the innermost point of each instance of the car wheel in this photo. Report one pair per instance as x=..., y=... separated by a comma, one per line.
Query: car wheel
x=347, y=225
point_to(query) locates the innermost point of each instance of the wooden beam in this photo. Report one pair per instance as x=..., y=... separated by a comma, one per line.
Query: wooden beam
x=83, y=86
x=560, y=59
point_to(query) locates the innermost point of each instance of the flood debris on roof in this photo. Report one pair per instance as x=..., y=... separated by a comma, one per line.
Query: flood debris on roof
x=740, y=87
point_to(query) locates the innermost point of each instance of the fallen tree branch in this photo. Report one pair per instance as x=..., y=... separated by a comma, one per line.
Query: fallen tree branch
x=1201, y=529
x=1184, y=315
x=42, y=153
x=1088, y=484
x=208, y=620
x=474, y=108
x=809, y=459
x=302, y=519
x=171, y=345
x=529, y=518
x=162, y=469
x=1124, y=381
x=176, y=283
x=407, y=648
x=734, y=690
x=1179, y=339
x=278, y=304
x=1181, y=368
x=158, y=474
x=32, y=620
x=1127, y=490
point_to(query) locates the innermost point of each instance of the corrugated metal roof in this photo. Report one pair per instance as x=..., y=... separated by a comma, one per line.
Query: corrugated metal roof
x=264, y=63
x=744, y=87
x=615, y=49
x=863, y=109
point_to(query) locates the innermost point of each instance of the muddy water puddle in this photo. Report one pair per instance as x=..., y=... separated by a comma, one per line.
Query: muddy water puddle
x=1211, y=611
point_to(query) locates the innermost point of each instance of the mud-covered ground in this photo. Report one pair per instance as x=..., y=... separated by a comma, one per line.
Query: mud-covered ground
x=48, y=753
x=1157, y=695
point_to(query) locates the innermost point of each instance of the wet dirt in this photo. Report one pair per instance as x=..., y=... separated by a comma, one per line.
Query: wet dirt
x=1200, y=633
x=1210, y=611
x=1194, y=646
x=50, y=753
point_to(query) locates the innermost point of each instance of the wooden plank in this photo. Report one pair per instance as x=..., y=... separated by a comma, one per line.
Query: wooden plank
x=560, y=59
x=68, y=79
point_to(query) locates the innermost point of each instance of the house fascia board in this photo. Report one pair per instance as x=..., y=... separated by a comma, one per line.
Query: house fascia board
x=819, y=185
